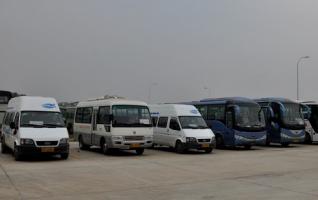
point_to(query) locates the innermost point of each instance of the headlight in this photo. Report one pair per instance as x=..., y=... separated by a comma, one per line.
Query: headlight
x=117, y=138
x=26, y=141
x=191, y=139
x=213, y=138
x=64, y=141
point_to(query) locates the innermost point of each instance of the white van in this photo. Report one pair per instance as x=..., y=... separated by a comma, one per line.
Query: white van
x=113, y=123
x=181, y=127
x=34, y=125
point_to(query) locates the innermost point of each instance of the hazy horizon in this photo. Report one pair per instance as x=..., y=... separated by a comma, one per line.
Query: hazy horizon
x=76, y=50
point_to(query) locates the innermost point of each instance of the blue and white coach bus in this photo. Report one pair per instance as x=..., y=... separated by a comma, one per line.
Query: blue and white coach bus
x=284, y=121
x=235, y=121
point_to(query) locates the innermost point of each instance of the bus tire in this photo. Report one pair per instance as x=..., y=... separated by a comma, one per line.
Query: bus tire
x=308, y=139
x=219, y=141
x=16, y=154
x=81, y=143
x=4, y=148
x=208, y=150
x=268, y=142
x=104, y=147
x=179, y=148
x=140, y=151
x=285, y=144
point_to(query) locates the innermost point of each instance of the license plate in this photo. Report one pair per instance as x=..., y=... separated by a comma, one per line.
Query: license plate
x=47, y=149
x=296, y=141
x=134, y=145
x=205, y=145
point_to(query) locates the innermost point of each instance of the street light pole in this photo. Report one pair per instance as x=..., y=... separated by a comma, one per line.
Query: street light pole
x=298, y=62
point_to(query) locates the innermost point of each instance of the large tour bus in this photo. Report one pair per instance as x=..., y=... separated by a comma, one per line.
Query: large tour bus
x=284, y=121
x=113, y=123
x=310, y=112
x=235, y=121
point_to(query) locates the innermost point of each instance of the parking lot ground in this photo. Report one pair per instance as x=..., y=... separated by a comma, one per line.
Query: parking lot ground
x=261, y=173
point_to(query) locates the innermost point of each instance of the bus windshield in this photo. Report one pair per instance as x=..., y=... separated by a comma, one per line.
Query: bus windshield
x=250, y=116
x=192, y=122
x=131, y=116
x=41, y=119
x=292, y=114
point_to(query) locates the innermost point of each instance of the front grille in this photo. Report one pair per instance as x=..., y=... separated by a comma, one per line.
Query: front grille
x=204, y=140
x=46, y=143
x=134, y=138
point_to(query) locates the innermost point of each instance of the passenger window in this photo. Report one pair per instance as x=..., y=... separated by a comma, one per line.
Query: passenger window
x=79, y=115
x=174, y=125
x=16, y=120
x=103, y=116
x=11, y=119
x=154, y=121
x=216, y=112
x=162, y=123
x=6, y=117
x=87, y=115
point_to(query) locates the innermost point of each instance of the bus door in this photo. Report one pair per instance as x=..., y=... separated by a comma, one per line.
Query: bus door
x=229, y=119
x=94, y=126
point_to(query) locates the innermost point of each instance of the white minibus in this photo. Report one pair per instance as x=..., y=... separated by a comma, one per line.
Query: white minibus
x=113, y=123
x=34, y=125
x=181, y=127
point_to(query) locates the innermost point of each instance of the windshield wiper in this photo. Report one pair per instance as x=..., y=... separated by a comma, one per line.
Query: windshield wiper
x=52, y=125
x=33, y=125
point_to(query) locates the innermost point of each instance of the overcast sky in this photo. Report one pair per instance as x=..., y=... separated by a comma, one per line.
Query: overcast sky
x=79, y=49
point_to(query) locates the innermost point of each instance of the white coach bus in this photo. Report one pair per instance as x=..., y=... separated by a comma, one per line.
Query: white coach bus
x=113, y=123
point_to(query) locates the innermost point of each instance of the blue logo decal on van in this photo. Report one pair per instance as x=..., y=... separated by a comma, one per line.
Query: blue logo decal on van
x=49, y=105
x=194, y=112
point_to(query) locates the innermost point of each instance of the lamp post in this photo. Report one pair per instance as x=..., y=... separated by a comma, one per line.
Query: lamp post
x=298, y=62
x=149, y=92
x=209, y=90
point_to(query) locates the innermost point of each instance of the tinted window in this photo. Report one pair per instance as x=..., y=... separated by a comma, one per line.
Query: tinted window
x=162, y=123
x=87, y=115
x=216, y=112
x=83, y=115
x=174, y=125
x=103, y=116
x=79, y=115
x=154, y=121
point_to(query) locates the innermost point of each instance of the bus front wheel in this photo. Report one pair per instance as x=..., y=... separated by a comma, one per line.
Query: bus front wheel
x=140, y=151
x=179, y=147
x=308, y=139
x=247, y=147
x=285, y=144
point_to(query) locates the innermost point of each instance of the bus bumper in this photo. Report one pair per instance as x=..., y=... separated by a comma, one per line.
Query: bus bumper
x=35, y=150
x=130, y=145
x=292, y=136
x=243, y=141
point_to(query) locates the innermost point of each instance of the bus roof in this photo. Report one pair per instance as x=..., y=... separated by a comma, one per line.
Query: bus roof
x=110, y=102
x=224, y=100
x=275, y=99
